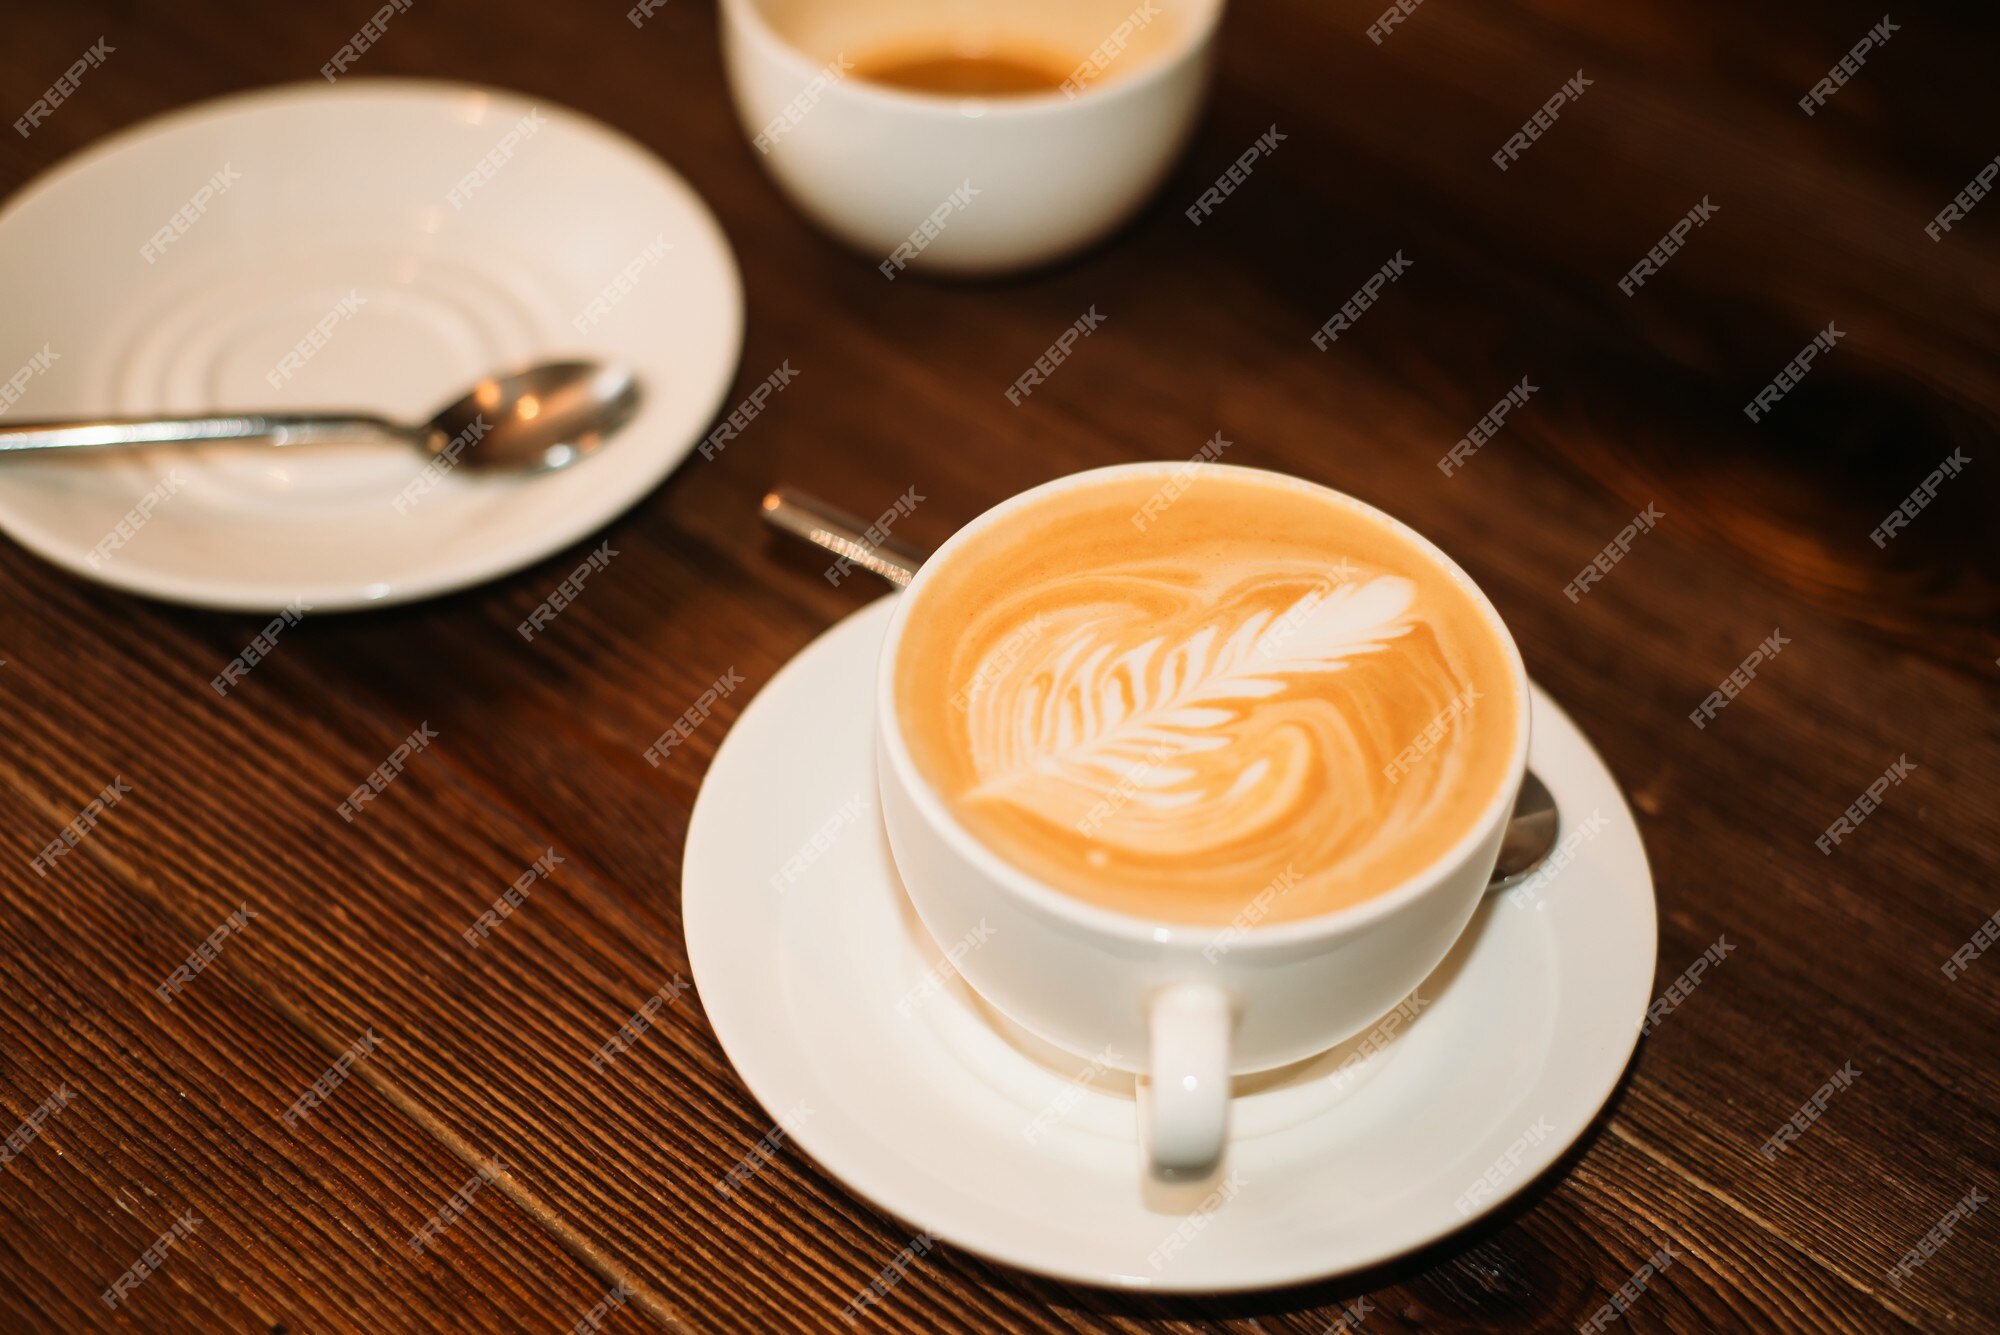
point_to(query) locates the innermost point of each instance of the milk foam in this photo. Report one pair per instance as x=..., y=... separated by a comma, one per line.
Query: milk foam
x=1260, y=696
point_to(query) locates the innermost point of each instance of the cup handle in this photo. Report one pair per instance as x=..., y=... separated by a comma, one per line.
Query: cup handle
x=1188, y=1116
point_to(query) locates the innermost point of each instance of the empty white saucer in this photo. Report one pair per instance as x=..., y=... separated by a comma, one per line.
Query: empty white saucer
x=378, y=244
x=831, y=1000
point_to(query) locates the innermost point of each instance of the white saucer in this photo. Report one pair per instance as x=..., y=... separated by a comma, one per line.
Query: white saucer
x=922, y=1103
x=328, y=192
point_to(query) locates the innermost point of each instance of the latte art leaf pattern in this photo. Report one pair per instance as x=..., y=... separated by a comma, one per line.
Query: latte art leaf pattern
x=1114, y=739
x=1260, y=702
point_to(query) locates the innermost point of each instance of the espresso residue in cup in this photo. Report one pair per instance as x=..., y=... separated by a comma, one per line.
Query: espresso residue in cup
x=953, y=72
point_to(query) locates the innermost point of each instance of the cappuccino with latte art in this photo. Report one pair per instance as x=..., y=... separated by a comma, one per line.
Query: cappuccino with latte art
x=1174, y=703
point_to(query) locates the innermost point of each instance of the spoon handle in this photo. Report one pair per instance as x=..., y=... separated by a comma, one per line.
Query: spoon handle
x=840, y=533
x=114, y=432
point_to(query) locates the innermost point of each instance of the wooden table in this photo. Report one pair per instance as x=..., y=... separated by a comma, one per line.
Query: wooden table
x=1837, y=958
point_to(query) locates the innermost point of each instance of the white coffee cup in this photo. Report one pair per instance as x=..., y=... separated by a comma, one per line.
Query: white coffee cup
x=968, y=184
x=1187, y=1007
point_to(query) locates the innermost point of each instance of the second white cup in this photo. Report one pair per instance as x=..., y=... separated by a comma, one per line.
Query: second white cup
x=968, y=184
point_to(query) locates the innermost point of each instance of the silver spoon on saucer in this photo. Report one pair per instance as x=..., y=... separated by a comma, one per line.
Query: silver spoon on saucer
x=533, y=420
x=1531, y=831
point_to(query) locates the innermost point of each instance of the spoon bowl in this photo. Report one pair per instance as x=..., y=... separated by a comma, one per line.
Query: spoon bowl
x=535, y=420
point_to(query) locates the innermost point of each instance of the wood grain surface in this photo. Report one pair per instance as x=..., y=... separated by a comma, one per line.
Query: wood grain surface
x=174, y=1106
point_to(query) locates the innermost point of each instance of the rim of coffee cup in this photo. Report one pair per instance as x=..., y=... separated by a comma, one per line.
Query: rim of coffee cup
x=1132, y=927
x=748, y=16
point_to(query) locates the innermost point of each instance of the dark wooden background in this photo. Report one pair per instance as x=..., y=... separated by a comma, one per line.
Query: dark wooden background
x=1837, y=958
